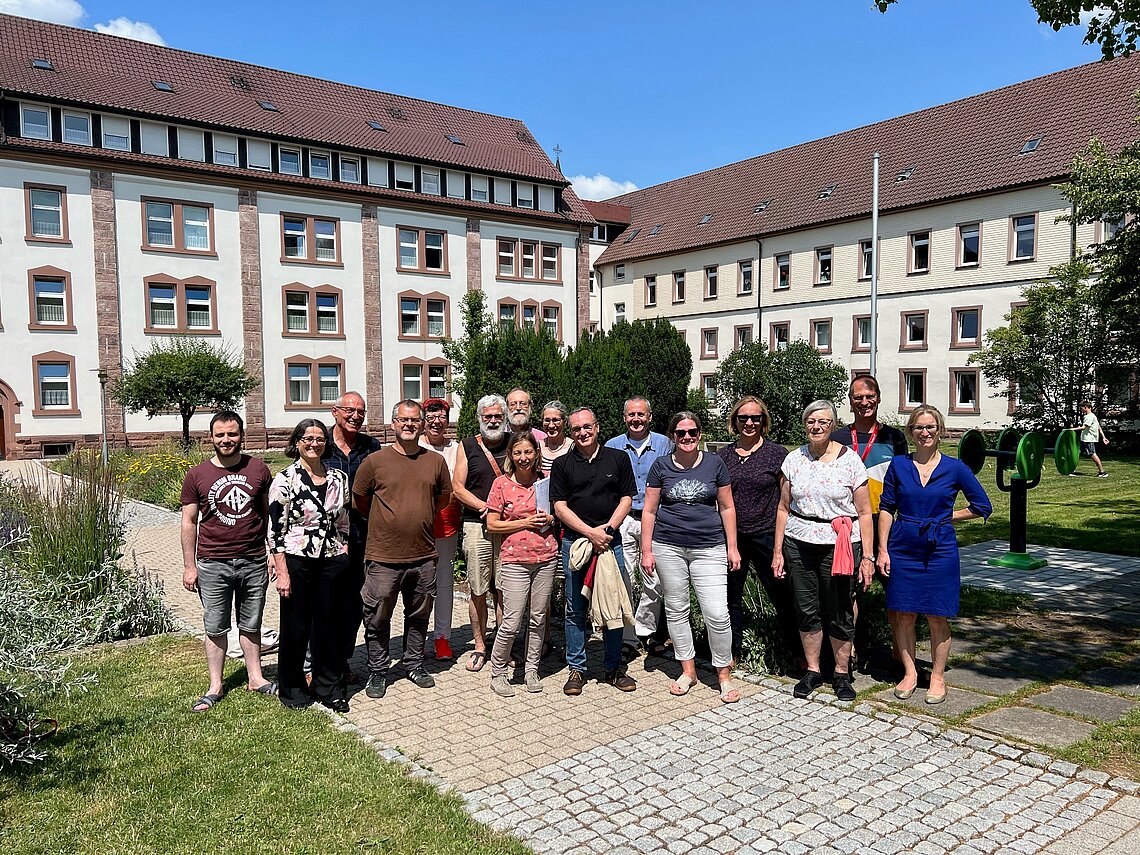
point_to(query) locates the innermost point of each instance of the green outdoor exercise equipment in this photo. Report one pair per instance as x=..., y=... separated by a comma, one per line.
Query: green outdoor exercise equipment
x=1019, y=460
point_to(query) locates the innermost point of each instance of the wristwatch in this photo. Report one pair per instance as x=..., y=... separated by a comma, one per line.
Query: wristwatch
x=609, y=529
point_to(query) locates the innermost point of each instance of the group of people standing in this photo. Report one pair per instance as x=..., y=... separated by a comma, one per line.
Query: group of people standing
x=354, y=528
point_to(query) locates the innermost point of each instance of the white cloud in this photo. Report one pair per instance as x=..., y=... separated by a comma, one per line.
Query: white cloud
x=600, y=186
x=128, y=29
x=54, y=11
x=1097, y=11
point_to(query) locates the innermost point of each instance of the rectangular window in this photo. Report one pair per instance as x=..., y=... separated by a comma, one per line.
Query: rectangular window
x=1110, y=228
x=46, y=206
x=289, y=161
x=550, y=262
x=195, y=227
x=413, y=382
x=436, y=318
x=1024, y=237
x=258, y=155
x=405, y=176
x=437, y=381
x=320, y=165
x=529, y=258
x=708, y=387
x=914, y=331
x=310, y=239
x=429, y=181
x=743, y=337
x=479, y=188
x=651, y=290
x=329, y=378
x=55, y=385
x=709, y=344
x=913, y=389
x=823, y=266
x=619, y=312
x=967, y=327
x=821, y=335
x=350, y=170
x=508, y=316
x=160, y=224
x=780, y=336
x=160, y=306
x=783, y=271
x=861, y=335
x=502, y=191
x=964, y=385
x=529, y=315
x=456, y=185
x=506, y=257
x=300, y=389
x=117, y=134
x=550, y=319
x=710, y=283
x=866, y=259
x=328, y=316
x=297, y=311
x=969, y=244
x=919, y=252
x=35, y=123
x=619, y=273
x=524, y=195
x=77, y=128
x=51, y=301
x=177, y=226
x=422, y=251
x=746, y=277
x=198, y=314
x=225, y=150
x=679, y=287
x=409, y=316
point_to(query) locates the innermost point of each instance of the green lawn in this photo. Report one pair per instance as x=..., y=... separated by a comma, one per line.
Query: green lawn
x=132, y=770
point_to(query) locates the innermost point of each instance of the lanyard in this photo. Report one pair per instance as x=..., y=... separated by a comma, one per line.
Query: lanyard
x=870, y=441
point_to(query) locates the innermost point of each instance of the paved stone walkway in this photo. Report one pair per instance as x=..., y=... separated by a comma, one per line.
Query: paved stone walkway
x=646, y=772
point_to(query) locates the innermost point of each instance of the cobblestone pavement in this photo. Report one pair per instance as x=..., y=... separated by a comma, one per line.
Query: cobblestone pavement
x=646, y=772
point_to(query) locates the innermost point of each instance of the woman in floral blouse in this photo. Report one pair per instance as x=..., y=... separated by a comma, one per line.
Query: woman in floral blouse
x=308, y=518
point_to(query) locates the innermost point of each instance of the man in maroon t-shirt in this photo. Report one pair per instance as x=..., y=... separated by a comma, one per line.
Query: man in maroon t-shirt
x=224, y=514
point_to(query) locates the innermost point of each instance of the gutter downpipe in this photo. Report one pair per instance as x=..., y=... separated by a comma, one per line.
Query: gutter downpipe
x=759, y=290
x=874, y=264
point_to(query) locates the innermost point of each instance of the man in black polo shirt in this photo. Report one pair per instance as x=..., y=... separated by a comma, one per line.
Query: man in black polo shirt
x=592, y=490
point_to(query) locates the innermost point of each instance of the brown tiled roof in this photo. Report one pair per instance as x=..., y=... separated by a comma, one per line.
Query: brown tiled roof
x=608, y=212
x=102, y=71
x=959, y=149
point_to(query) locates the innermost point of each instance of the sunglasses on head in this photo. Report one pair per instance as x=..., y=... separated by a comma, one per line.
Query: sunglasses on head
x=693, y=432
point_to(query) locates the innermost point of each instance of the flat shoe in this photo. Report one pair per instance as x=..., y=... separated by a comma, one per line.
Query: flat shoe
x=904, y=694
x=266, y=689
x=206, y=702
x=935, y=699
x=683, y=683
x=728, y=693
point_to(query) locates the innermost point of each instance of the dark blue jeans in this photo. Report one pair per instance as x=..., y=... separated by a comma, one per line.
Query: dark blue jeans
x=578, y=612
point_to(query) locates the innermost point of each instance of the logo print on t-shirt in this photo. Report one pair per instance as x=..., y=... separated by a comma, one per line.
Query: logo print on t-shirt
x=231, y=498
x=236, y=500
x=689, y=491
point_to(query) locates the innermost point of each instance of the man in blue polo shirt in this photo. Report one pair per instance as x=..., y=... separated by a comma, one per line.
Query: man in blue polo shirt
x=643, y=447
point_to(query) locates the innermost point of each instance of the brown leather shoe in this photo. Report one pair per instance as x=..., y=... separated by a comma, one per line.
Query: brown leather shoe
x=574, y=683
x=621, y=680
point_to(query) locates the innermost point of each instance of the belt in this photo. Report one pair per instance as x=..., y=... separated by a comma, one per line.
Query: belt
x=814, y=519
x=635, y=514
x=927, y=527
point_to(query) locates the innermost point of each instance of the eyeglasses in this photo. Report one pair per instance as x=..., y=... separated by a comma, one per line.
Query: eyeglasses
x=583, y=428
x=693, y=432
x=864, y=398
x=925, y=429
x=407, y=420
x=492, y=417
x=748, y=417
x=351, y=411
x=436, y=417
x=311, y=440
x=824, y=423
x=552, y=421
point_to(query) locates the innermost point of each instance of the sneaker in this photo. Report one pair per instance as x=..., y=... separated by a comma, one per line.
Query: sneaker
x=1101, y=474
x=533, y=684
x=1072, y=474
x=376, y=686
x=574, y=683
x=841, y=685
x=502, y=687
x=337, y=705
x=443, y=649
x=809, y=682
x=421, y=678
x=621, y=680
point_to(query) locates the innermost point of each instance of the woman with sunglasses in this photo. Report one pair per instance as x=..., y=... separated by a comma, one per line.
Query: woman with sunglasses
x=308, y=536
x=918, y=548
x=754, y=469
x=688, y=534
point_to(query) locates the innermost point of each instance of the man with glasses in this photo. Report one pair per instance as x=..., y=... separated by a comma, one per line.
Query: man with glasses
x=643, y=447
x=477, y=464
x=399, y=489
x=519, y=411
x=875, y=443
x=350, y=446
x=592, y=490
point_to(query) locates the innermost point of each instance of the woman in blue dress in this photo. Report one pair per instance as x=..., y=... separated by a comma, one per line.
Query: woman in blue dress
x=918, y=548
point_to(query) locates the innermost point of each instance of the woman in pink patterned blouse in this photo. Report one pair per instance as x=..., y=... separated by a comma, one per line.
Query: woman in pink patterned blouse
x=529, y=559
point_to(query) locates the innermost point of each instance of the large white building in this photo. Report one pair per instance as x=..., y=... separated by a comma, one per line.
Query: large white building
x=778, y=247
x=325, y=232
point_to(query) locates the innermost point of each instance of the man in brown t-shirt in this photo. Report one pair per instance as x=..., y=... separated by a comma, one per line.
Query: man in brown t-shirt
x=224, y=514
x=399, y=489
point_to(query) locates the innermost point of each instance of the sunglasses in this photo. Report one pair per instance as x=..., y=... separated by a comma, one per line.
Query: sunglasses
x=693, y=432
x=748, y=417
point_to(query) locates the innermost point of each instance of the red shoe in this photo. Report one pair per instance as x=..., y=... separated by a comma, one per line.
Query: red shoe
x=443, y=649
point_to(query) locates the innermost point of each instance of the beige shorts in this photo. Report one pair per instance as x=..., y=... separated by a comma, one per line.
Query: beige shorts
x=481, y=552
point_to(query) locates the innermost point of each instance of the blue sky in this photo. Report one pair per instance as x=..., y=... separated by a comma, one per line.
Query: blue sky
x=632, y=91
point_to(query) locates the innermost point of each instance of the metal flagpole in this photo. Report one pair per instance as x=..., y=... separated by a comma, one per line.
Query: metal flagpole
x=875, y=264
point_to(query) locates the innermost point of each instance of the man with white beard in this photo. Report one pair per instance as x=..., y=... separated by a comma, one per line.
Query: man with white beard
x=518, y=413
x=477, y=465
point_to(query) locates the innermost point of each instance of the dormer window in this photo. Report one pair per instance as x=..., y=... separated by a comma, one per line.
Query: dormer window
x=827, y=192
x=1031, y=145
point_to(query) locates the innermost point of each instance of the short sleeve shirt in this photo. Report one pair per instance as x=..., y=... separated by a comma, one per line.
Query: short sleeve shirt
x=823, y=491
x=755, y=485
x=687, y=514
x=231, y=507
x=1090, y=428
x=512, y=501
x=403, y=489
x=889, y=442
x=593, y=488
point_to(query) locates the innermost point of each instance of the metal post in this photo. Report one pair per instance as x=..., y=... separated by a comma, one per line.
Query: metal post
x=103, y=410
x=874, y=264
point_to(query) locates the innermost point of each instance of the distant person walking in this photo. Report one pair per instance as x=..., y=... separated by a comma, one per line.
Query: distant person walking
x=1091, y=432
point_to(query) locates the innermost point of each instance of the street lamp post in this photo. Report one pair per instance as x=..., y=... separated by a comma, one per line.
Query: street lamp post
x=103, y=409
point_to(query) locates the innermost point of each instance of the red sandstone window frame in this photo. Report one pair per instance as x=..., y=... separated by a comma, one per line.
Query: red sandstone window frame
x=958, y=343
x=906, y=406
x=178, y=227
x=424, y=366
x=54, y=357
x=743, y=267
x=421, y=251
x=954, y=407
x=773, y=327
x=777, y=265
x=813, y=333
x=512, y=247
x=181, y=326
x=710, y=344
x=824, y=253
x=314, y=365
x=53, y=274
x=310, y=256
x=422, y=315
x=712, y=282
x=64, y=236
x=312, y=292
x=905, y=344
x=856, y=345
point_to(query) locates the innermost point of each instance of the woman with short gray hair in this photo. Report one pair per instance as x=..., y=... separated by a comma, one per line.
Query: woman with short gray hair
x=555, y=420
x=822, y=521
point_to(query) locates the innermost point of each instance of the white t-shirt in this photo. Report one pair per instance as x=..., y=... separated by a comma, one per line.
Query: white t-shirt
x=822, y=489
x=1090, y=428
